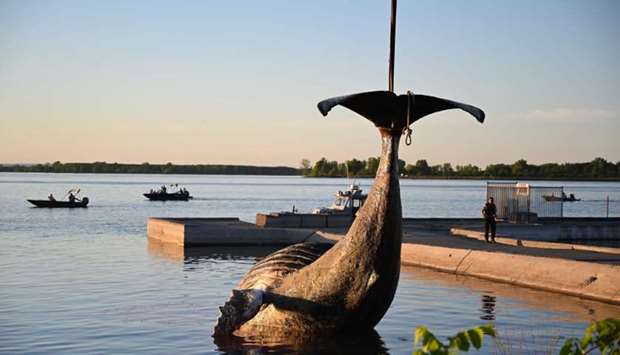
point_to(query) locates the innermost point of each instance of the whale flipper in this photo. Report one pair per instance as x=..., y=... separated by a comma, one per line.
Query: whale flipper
x=250, y=294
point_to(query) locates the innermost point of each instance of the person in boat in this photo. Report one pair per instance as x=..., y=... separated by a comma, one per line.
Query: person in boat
x=51, y=197
x=489, y=212
x=163, y=189
x=73, y=198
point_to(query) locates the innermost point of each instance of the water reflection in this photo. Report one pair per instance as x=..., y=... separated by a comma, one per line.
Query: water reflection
x=195, y=255
x=487, y=307
x=574, y=309
x=365, y=343
x=424, y=297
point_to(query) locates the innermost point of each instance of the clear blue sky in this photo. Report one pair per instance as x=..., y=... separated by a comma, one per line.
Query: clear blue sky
x=238, y=81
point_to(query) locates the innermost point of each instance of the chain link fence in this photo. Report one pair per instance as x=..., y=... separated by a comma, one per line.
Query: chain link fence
x=519, y=202
x=525, y=203
x=599, y=205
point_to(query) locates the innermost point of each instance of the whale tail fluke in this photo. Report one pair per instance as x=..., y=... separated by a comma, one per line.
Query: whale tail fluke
x=388, y=110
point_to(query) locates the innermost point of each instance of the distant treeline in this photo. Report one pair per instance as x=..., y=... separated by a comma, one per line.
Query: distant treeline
x=146, y=168
x=598, y=168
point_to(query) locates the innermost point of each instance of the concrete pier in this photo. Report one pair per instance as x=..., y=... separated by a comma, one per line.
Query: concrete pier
x=221, y=231
x=303, y=220
x=563, y=230
x=583, y=271
x=585, y=274
x=282, y=229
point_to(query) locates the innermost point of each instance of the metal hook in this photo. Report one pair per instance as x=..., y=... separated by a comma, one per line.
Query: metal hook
x=407, y=131
x=408, y=137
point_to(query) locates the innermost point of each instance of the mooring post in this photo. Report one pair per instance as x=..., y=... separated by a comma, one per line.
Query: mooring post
x=562, y=203
x=392, y=47
x=607, y=209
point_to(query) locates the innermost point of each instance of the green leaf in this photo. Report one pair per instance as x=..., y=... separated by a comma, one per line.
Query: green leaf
x=587, y=335
x=430, y=344
x=460, y=341
x=567, y=349
x=475, y=336
x=488, y=329
x=607, y=335
x=420, y=333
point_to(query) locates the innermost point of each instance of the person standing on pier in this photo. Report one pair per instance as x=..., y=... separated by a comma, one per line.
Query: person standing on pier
x=489, y=212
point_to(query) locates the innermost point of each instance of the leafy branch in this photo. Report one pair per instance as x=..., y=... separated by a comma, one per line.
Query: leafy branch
x=462, y=341
x=603, y=335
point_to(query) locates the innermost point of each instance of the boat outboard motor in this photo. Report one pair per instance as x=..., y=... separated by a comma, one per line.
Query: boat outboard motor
x=85, y=200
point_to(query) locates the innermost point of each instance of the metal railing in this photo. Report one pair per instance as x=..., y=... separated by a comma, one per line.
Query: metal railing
x=595, y=206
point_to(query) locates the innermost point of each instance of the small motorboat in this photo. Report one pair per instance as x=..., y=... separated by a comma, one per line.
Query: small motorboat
x=563, y=198
x=163, y=195
x=175, y=196
x=339, y=215
x=346, y=203
x=60, y=204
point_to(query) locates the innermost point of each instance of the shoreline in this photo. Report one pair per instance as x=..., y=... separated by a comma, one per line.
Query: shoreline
x=477, y=178
x=490, y=178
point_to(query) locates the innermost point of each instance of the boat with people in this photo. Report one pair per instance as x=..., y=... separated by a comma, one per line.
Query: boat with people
x=173, y=194
x=563, y=198
x=346, y=203
x=60, y=204
x=341, y=213
x=73, y=201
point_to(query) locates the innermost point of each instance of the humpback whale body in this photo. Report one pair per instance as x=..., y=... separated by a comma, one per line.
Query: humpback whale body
x=305, y=291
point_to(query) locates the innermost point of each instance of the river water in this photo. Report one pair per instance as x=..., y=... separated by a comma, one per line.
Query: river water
x=87, y=280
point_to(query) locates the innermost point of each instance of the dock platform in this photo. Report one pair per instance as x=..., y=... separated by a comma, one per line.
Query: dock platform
x=229, y=231
x=449, y=245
